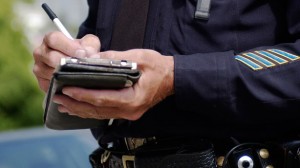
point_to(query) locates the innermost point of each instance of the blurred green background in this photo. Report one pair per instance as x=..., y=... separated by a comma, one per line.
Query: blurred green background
x=23, y=24
x=20, y=97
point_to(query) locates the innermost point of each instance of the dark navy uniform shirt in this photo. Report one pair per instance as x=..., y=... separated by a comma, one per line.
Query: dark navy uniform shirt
x=236, y=74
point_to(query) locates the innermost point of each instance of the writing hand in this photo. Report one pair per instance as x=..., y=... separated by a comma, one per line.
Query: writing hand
x=56, y=46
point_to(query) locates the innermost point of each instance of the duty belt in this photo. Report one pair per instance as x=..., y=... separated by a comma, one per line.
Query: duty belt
x=154, y=153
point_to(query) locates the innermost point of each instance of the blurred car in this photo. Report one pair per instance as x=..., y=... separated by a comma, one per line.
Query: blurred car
x=44, y=148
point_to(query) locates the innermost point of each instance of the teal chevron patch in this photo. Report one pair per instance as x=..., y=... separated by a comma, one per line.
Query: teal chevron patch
x=263, y=59
x=248, y=62
x=271, y=56
x=285, y=54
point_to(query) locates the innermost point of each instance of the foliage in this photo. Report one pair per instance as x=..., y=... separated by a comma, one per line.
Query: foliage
x=20, y=97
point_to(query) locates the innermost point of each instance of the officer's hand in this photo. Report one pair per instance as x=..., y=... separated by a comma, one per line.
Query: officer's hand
x=154, y=85
x=56, y=46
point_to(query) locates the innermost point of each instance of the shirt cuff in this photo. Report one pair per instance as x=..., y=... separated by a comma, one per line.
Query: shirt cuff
x=201, y=80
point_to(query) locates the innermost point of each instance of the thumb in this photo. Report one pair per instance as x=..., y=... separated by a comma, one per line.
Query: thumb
x=91, y=44
x=119, y=55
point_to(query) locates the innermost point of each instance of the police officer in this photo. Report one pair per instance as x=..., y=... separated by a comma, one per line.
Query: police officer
x=223, y=72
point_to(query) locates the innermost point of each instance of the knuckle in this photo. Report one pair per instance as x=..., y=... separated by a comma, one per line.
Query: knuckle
x=137, y=112
x=54, y=59
x=42, y=72
x=36, y=53
x=99, y=115
x=91, y=37
x=51, y=38
x=134, y=105
x=108, y=54
x=36, y=69
x=98, y=102
x=103, y=101
x=77, y=96
x=44, y=85
x=135, y=116
x=139, y=53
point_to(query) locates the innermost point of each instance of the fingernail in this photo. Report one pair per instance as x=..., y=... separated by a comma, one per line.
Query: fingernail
x=57, y=100
x=80, y=53
x=63, y=109
x=66, y=92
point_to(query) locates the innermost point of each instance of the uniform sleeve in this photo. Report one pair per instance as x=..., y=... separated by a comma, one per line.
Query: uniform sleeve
x=260, y=86
x=89, y=25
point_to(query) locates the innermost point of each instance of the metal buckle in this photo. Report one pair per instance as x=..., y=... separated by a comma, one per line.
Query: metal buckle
x=133, y=143
x=125, y=159
x=105, y=155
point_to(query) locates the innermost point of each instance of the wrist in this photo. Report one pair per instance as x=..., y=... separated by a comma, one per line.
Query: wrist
x=169, y=75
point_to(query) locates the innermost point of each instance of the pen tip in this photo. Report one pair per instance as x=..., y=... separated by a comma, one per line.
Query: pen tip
x=44, y=5
x=50, y=13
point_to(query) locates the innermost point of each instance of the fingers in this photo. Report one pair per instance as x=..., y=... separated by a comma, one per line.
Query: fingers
x=56, y=46
x=48, y=56
x=140, y=56
x=44, y=84
x=56, y=41
x=59, y=42
x=116, y=55
x=52, y=58
x=42, y=70
x=110, y=103
x=91, y=44
x=84, y=110
x=103, y=98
